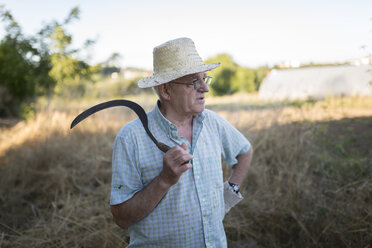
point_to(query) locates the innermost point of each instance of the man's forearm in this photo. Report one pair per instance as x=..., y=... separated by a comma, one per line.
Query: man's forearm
x=141, y=204
x=175, y=163
x=240, y=170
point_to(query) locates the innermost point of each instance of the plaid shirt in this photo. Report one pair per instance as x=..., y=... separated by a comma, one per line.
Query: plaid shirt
x=191, y=213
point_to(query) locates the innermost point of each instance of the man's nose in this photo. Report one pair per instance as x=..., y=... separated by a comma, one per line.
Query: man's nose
x=203, y=87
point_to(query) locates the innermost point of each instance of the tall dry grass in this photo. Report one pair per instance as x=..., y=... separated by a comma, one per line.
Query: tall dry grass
x=302, y=191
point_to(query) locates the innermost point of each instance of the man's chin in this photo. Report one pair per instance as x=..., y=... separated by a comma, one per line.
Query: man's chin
x=199, y=109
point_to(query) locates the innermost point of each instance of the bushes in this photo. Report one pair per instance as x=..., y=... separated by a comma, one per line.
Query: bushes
x=230, y=78
x=37, y=65
x=244, y=80
x=21, y=78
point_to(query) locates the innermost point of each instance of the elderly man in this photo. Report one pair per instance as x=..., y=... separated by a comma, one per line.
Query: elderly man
x=177, y=198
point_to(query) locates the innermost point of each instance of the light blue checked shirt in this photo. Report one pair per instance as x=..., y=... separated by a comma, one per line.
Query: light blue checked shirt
x=191, y=213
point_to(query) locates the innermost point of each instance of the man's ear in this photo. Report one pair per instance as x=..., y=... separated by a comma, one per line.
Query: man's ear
x=164, y=91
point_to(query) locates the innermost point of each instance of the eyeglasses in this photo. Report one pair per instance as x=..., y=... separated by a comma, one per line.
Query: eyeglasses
x=197, y=84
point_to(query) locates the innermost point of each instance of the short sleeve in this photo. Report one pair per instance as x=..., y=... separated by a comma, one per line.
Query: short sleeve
x=126, y=177
x=233, y=142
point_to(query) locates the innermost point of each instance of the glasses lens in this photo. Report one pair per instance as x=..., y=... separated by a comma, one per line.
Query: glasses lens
x=199, y=83
x=208, y=80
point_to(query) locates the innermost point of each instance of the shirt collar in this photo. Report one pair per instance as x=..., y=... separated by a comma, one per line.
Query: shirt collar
x=167, y=125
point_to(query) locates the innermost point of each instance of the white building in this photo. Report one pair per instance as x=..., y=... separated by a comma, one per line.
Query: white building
x=317, y=82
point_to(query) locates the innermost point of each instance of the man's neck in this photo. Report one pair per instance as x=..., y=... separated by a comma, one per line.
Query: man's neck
x=175, y=117
x=182, y=122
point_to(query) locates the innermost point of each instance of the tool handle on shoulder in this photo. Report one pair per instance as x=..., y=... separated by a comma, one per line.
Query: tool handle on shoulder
x=163, y=147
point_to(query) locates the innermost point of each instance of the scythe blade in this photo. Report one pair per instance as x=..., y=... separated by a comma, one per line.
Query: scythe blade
x=114, y=103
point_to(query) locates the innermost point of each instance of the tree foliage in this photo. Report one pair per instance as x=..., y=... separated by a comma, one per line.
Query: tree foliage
x=37, y=65
x=66, y=70
x=223, y=75
x=230, y=77
x=244, y=80
x=23, y=69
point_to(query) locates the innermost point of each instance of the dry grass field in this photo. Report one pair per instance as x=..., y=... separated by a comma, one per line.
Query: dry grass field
x=310, y=183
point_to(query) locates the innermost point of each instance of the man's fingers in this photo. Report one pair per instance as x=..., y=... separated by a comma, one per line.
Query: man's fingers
x=185, y=158
x=176, y=162
x=179, y=154
x=184, y=146
x=176, y=149
x=185, y=167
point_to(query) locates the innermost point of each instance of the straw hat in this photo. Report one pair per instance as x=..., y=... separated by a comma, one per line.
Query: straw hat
x=174, y=59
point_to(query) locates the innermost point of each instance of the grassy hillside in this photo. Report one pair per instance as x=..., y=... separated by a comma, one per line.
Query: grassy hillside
x=309, y=185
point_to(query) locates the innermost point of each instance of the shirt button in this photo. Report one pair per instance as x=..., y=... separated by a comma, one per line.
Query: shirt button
x=198, y=177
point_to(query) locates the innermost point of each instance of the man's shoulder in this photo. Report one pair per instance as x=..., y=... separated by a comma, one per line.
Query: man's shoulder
x=131, y=128
x=211, y=116
x=213, y=119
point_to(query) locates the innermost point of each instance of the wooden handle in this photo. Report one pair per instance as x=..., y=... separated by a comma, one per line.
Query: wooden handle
x=163, y=147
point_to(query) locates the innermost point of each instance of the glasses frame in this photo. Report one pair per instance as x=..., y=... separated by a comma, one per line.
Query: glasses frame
x=197, y=84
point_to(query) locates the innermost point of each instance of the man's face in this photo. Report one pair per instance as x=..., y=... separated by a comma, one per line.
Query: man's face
x=184, y=98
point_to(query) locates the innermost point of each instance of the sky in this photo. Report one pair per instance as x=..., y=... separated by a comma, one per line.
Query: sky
x=254, y=33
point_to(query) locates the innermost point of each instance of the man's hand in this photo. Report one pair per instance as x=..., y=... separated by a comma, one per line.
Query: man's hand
x=175, y=163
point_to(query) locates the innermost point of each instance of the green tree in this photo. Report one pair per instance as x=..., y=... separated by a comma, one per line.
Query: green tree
x=229, y=77
x=244, y=80
x=40, y=64
x=23, y=69
x=67, y=70
x=223, y=75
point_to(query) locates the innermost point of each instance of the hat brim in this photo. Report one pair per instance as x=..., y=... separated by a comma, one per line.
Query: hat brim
x=158, y=79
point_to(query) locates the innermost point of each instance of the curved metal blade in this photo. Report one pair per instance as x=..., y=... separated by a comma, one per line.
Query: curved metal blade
x=114, y=103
